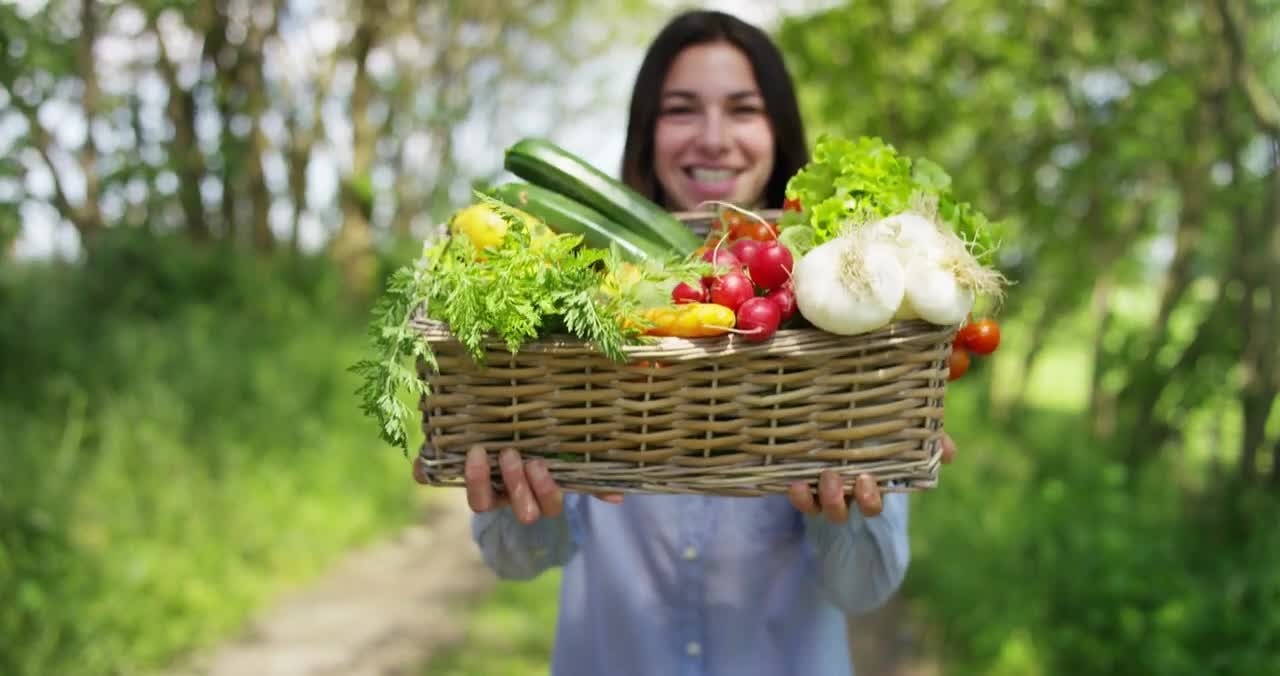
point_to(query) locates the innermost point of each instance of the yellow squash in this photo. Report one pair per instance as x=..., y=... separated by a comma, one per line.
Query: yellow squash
x=484, y=227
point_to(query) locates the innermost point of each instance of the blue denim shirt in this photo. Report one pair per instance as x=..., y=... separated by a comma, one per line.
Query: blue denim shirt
x=683, y=585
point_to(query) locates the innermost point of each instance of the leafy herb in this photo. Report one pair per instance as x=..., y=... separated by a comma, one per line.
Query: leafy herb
x=853, y=181
x=520, y=290
x=386, y=377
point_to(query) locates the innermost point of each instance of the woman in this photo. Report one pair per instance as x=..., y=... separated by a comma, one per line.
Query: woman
x=675, y=584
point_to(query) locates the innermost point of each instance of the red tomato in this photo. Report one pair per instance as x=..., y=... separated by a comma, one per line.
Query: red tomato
x=761, y=232
x=958, y=364
x=731, y=220
x=790, y=204
x=980, y=337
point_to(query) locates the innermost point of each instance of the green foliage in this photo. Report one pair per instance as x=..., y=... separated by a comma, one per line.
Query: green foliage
x=180, y=446
x=521, y=290
x=1035, y=556
x=850, y=181
x=1118, y=532
x=509, y=633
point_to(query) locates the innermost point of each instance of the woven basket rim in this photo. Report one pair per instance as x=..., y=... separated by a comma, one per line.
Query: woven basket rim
x=784, y=342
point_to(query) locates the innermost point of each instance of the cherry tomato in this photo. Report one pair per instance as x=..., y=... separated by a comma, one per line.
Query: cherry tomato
x=958, y=364
x=731, y=220
x=980, y=337
x=761, y=232
x=790, y=204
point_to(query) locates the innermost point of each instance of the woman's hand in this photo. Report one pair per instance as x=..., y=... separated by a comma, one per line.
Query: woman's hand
x=831, y=499
x=529, y=488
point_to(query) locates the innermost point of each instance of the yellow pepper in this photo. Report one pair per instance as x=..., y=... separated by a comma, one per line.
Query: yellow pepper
x=690, y=320
x=484, y=227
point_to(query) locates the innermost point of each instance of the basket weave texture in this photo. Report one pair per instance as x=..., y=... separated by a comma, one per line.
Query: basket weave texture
x=714, y=416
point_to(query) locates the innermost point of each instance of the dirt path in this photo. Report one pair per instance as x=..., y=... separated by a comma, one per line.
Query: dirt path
x=381, y=612
x=386, y=609
x=888, y=643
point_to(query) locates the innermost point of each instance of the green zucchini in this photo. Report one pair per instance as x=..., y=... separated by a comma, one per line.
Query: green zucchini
x=565, y=215
x=545, y=164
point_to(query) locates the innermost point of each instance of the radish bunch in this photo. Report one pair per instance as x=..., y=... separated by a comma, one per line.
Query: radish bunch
x=753, y=279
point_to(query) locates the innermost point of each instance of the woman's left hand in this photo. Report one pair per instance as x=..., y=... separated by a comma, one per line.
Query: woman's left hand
x=832, y=501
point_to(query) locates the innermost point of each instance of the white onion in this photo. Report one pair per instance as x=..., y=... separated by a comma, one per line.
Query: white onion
x=849, y=285
x=934, y=294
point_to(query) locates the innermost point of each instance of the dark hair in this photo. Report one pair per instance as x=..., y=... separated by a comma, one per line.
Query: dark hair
x=702, y=27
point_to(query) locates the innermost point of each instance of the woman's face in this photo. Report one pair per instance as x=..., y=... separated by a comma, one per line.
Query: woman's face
x=713, y=140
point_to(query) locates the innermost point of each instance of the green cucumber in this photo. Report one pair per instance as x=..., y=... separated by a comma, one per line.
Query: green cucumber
x=545, y=164
x=565, y=215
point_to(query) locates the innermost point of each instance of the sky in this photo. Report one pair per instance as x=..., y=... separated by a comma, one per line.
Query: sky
x=597, y=139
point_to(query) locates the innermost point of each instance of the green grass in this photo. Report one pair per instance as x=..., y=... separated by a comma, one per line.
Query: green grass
x=182, y=445
x=510, y=633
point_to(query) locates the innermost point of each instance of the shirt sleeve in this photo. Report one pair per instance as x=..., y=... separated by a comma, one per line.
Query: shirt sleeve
x=519, y=552
x=863, y=560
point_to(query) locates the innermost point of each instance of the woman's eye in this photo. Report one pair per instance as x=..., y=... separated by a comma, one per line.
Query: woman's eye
x=677, y=110
x=747, y=110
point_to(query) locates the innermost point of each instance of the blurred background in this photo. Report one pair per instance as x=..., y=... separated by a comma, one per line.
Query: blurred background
x=200, y=200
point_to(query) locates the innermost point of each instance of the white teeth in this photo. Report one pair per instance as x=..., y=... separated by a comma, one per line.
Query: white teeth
x=712, y=175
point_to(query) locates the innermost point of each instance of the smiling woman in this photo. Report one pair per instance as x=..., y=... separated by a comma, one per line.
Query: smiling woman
x=697, y=584
x=713, y=140
x=713, y=117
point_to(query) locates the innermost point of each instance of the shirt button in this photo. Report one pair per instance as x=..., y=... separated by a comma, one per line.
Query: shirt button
x=690, y=553
x=694, y=648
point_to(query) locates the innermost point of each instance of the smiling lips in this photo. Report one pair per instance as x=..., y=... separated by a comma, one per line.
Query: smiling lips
x=712, y=183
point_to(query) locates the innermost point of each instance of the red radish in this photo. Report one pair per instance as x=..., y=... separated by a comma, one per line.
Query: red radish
x=746, y=251
x=771, y=267
x=785, y=299
x=758, y=319
x=722, y=260
x=684, y=293
x=732, y=290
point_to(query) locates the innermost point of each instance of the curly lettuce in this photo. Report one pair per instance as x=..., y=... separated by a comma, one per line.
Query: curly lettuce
x=848, y=182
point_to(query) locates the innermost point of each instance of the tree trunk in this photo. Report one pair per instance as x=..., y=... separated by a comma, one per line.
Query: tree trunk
x=1261, y=324
x=90, y=101
x=255, y=84
x=184, y=149
x=353, y=246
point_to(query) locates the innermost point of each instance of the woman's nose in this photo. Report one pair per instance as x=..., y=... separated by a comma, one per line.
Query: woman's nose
x=715, y=133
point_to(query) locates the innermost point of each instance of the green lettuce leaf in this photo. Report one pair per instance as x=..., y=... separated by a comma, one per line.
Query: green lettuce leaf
x=849, y=182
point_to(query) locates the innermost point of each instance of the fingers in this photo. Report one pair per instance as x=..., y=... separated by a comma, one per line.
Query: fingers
x=867, y=494
x=480, y=494
x=519, y=493
x=420, y=471
x=611, y=498
x=831, y=495
x=802, y=498
x=948, y=449
x=545, y=491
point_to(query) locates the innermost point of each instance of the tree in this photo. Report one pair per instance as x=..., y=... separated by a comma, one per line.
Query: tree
x=1101, y=134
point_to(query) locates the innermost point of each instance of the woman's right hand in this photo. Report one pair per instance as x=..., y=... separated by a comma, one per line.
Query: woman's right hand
x=530, y=490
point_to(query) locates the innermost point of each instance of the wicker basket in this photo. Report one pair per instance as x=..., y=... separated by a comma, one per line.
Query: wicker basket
x=719, y=416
